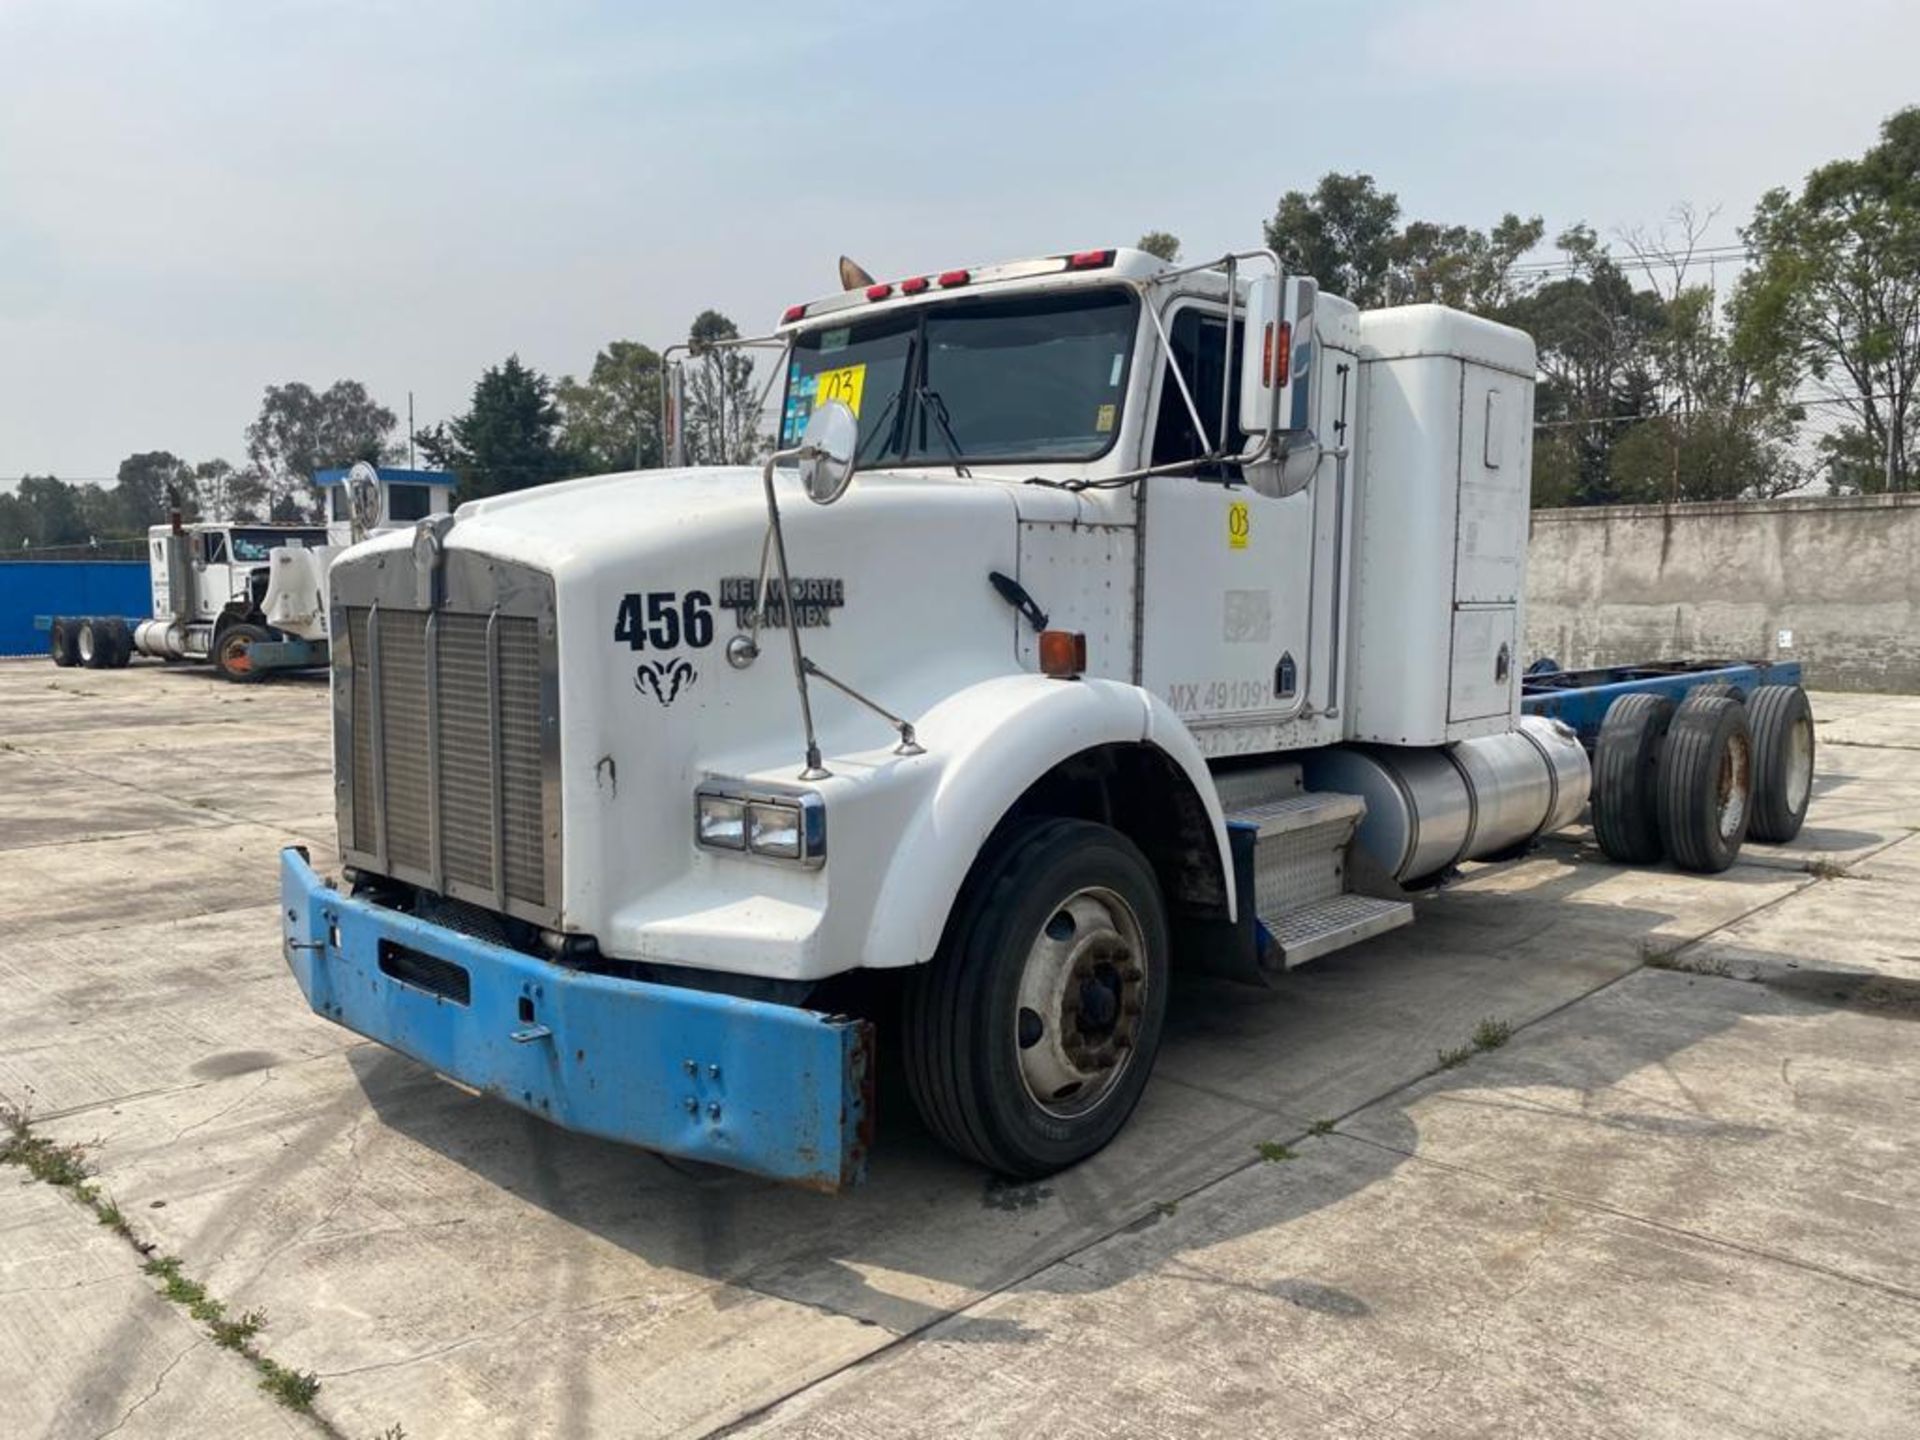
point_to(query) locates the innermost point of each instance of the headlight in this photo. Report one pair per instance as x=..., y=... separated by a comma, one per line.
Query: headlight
x=790, y=827
x=722, y=821
x=774, y=830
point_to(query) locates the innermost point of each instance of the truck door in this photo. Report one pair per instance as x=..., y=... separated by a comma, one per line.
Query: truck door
x=1227, y=576
x=213, y=584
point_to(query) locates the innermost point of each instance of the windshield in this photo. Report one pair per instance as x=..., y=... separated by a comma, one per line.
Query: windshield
x=1027, y=378
x=250, y=547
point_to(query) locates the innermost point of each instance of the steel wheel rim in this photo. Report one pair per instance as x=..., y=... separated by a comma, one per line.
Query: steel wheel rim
x=86, y=643
x=1732, y=785
x=1082, y=996
x=1799, y=763
x=233, y=652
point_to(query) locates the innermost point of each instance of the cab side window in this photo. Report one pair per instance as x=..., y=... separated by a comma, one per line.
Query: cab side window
x=1199, y=340
x=213, y=547
x=407, y=502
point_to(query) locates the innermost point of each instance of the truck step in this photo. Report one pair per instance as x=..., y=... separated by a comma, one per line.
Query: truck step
x=1299, y=812
x=1300, y=850
x=1312, y=930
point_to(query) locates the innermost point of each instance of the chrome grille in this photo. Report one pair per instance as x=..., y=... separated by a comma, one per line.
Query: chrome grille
x=450, y=746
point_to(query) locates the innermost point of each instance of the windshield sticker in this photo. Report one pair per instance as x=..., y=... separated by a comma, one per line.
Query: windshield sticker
x=832, y=340
x=1113, y=375
x=1103, y=419
x=844, y=385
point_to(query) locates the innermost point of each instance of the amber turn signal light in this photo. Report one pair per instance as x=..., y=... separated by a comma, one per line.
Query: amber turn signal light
x=1063, y=653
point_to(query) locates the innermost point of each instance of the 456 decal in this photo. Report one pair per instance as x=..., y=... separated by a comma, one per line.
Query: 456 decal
x=664, y=620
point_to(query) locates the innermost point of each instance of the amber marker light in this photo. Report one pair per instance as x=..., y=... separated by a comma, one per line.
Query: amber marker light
x=1063, y=653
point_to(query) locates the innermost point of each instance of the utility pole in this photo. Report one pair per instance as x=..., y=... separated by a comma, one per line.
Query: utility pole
x=409, y=429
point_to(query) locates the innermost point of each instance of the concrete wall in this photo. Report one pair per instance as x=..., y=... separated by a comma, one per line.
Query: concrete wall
x=1632, y=582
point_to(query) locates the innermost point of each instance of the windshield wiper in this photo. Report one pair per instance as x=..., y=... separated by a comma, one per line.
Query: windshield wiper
x=880, y=420
x=932, y=404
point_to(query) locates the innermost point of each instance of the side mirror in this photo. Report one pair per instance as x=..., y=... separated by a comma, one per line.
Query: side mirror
x=366, y=500
x=826, y=452
x=1276, y=358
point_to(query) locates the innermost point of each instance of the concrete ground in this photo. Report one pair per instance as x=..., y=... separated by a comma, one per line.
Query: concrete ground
x=1683, y=1200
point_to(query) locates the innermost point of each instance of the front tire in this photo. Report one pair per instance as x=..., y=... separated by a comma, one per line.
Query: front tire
x=232, y=653
x=1030, y=1036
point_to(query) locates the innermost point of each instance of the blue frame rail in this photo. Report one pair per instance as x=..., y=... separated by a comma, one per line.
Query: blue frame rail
x=1579, y=698
x=772, y=1089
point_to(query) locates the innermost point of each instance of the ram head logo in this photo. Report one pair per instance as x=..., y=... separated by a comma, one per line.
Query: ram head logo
x=664, y=681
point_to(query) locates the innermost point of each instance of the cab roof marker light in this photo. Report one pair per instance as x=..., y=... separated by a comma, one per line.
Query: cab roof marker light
x=793, y=313
x=880, y=291
x=952, y=279
x=914, y=286
x=1090, y=259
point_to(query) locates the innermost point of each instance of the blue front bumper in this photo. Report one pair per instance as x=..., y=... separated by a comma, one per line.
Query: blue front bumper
x=772, y=1089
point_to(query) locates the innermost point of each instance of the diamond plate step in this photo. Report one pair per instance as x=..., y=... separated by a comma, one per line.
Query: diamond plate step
x=1313, y=930
x=1299, y=812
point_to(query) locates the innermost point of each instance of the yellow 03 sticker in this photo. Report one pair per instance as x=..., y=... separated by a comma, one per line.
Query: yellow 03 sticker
x=844, y=385
x=1239, y=525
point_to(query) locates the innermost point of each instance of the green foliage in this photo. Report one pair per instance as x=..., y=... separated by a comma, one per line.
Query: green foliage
x=43, y=1159
x=1163, y=243
x=1342, y=234
x=1491, y=1034
x=723, y=418
x=1834, y=297
x=508, y=439
x=1272, y=1151
x=294, y=1389
x=301, y=430
x=612, y=420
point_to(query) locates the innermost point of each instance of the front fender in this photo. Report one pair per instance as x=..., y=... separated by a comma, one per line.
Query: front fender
x=993, y=741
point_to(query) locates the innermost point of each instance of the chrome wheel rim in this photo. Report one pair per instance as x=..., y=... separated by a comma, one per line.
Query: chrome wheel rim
x=1083, y=993
x=1732, y=786
x=86, y=644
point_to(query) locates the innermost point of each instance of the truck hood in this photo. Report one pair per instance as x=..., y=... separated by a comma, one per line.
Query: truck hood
x=653, y=573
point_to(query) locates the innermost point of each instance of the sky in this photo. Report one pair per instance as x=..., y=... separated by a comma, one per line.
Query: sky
x=198, y=200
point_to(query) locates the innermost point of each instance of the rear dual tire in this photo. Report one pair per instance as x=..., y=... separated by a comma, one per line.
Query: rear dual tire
x=1704, y=783
x=1783, y=755
x=61, y=648
x=1626, y=766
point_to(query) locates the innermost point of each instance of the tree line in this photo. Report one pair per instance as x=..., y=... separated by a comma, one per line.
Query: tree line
x=1654, y=384
x=521, y=427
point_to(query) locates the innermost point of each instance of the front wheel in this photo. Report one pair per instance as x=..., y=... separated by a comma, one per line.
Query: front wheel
x=1030, y=1036
x=233, y=653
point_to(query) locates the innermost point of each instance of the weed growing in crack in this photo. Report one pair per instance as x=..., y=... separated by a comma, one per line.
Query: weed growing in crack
x=294, y=1389
x=65, y=1167
x=1272, y=1150
x=1456, y=1057
x=1825, y=869
x=1491, y=1034
x=1320, y=1127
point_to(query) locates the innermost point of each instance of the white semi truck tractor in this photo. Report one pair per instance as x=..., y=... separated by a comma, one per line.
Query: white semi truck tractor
x=251, y=598
x=1096, y=621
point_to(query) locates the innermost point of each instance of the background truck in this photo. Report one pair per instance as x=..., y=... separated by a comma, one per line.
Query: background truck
x=1096, y=621
x=250, y=598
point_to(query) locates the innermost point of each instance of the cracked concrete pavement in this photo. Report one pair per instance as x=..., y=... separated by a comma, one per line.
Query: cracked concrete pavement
x=1678, y=1202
